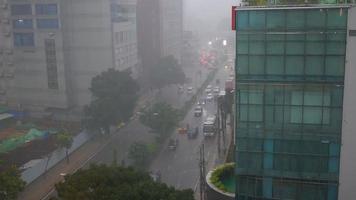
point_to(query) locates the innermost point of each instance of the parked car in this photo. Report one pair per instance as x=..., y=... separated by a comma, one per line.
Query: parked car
x=172, y=144
x=216, y=90
x=210, y=97
x=190, y=90
x=198, y=111
x=193, y=133
x=208, y=90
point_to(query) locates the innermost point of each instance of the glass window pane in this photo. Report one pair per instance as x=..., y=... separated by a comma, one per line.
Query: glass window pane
x=257, y=48
x=47, y=23
x=242, y=64
x=294, y=65
x=313, y=98
x=295, y=19
x=243, y=112
x=336, y=18
x=275, y=19
x=294, y=48
x=275, y=48
x=46, y=9
x=22, y=24
x=257, y=19
x=315, y=48
x=21, y=9
x=24, y=39
x=242, y=20
x=335, y=48
x=314, y=65
x=255, y=97
x=315, y=18
x=255, y=113
x=243, y=97
x=256, y=64
x=326, y=116
x=297, y=98
x=242, y=47
x=275, y=65
x=335, y=65
x=312, y=115
x=296, y=114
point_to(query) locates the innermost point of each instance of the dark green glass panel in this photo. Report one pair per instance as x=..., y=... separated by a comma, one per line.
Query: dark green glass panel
x=294, y=48
x=242, y=20
x=294, y=65
x=242, y=47
x=242, y=64
x=275, y=65
x=257, y=48
x=315, y=19
x=275, y=48
x=256, y=65
x=314, y=65
x=257, y=20
x=315, y=48
x=295, y=19
x=336, y=48
x=276, y=19
x=337, y=18
x=335, y=65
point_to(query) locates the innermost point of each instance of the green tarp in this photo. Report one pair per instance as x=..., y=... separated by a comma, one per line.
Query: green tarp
x=13, y=143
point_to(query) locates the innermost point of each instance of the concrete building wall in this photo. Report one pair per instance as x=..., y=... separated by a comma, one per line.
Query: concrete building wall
x=25, y=76
x=88, y=44
x=347, y=177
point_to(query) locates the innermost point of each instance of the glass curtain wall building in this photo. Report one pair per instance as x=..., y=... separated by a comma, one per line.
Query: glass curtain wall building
x=290, y=66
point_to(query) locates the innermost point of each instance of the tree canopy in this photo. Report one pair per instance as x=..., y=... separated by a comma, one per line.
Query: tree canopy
x=166, y=72
x=11, y=183
x=116, y=183
x=115, y=94
x=161, y=118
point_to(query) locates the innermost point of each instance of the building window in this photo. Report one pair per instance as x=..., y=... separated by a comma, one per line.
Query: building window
x=46, y=9
x=47, y=23
x=24, y=39
x=21, y=9
x=22, y=24
x=51, y=59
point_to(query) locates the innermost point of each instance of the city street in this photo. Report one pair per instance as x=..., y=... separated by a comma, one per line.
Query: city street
x=179, y=168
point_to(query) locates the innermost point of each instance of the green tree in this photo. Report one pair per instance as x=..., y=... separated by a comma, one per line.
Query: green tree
x=161, y=118
x=139, y=153
x=11, y=183
x=64, y=140
x=166, y=72
x=116, y=183
x=115, y=95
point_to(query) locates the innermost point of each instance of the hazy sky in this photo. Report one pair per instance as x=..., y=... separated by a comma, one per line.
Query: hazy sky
x=206, y=12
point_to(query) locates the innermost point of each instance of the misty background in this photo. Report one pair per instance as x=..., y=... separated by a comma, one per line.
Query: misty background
x=207, y=15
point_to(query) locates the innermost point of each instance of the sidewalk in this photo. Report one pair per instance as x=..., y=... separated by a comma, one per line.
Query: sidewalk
x=45, y=183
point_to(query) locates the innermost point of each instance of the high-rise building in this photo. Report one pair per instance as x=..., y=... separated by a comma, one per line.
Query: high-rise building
x=295, y=72
x=51, y=49
x=159, y=30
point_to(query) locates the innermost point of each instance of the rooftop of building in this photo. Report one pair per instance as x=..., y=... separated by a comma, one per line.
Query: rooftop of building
x=294, y=7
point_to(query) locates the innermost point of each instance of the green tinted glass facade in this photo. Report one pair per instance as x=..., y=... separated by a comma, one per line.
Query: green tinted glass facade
x=290, y=72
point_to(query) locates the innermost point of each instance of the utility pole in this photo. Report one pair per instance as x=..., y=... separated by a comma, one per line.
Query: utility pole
x=218, y=118
x=202, y=173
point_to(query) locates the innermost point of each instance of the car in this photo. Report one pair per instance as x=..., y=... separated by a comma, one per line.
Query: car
x=209, y=97
x=198, y=111
x=180, y=89
x=209, y=87
x=172, y=144
x=193, y=133
x=190, y=90
x=201, y=102
x=208, y=90
x=216, y=90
